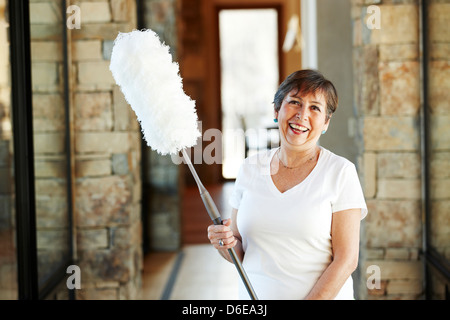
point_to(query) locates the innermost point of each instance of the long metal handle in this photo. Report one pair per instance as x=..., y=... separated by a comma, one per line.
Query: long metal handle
x=240, y=269
x=217, y=220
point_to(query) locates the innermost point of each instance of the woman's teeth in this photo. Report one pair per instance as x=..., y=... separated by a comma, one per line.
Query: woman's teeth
x=298, y=128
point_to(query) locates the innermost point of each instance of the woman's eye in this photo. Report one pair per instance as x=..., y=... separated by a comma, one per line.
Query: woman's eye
x=315, y=108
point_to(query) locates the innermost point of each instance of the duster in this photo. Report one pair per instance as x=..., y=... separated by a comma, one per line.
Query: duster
x=143, y=68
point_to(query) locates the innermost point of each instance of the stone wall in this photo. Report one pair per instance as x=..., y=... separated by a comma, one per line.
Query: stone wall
x=107, y=158
x=387, y=104
x=106, y=146
x=105, y=164
x=387, y=78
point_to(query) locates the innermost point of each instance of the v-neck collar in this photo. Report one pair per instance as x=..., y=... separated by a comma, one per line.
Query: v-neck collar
x=272, y=185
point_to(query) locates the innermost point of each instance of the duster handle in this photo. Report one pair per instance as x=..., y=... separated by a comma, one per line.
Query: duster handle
x=217, y=220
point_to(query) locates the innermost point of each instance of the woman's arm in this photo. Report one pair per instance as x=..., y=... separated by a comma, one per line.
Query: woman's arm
x=345, y=245
x=230, y=236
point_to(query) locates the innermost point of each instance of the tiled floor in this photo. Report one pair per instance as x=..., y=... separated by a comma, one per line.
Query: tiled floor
x=198, y=272
x=157, y=270
x=204, y=274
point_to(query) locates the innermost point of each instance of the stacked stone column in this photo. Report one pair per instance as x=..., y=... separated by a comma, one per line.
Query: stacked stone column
x=107, y=158
x=387, y=103
x=387, y=80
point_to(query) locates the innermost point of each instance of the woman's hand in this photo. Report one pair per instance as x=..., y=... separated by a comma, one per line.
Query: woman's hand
x=222, y=232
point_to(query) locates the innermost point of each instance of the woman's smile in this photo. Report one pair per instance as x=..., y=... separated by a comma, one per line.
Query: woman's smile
x=298, y=128
x=302, y=118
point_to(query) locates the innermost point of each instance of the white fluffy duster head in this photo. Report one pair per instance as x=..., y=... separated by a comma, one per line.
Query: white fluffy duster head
x=143, y=68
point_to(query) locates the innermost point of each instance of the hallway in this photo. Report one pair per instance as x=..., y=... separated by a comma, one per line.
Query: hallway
x=197, y=271
x=194, y=217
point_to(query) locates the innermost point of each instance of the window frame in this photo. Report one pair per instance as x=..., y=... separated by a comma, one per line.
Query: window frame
x=24, y=172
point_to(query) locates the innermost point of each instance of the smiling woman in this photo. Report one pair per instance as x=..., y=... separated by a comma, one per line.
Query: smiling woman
x=297, y=208
x=303, y=106
x=302, y=120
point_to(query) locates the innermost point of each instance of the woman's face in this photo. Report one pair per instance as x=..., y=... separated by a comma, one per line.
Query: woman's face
x=301, y=119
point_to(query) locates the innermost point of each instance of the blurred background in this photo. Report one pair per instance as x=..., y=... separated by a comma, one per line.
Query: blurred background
x=79, y=186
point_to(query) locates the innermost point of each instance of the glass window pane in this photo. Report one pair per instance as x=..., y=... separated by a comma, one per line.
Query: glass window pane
x=249, y=79
x=49, y=126
x=439, y=158
x=8, y=259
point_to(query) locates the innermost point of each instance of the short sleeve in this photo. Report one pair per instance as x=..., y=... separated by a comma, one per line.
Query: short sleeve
x=349, y=194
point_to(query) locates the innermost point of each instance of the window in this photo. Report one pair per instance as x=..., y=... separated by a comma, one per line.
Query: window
x=34, y=143
x=436, y=154
x=8, y=258
x=51, y=166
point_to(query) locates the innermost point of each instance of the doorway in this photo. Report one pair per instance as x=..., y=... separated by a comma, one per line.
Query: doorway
x=202, y=69
x=249, y=77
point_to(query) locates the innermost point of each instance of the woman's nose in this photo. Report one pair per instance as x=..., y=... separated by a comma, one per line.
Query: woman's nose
x=302, y=113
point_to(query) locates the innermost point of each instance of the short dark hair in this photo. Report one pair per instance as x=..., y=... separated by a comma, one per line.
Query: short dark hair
x=308, y=81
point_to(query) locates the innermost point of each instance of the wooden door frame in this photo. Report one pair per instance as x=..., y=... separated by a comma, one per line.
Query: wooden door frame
x=199, y=56
x=213, y=49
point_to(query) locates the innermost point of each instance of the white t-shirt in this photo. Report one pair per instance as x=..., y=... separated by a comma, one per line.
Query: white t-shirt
x=286, y=236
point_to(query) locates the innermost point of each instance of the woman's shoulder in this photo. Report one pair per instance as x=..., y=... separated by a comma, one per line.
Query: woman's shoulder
x=333, y=160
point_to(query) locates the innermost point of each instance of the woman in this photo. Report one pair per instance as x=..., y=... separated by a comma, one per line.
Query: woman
x=297, y=208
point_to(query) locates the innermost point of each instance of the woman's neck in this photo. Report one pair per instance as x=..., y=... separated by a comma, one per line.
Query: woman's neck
x=293, y=158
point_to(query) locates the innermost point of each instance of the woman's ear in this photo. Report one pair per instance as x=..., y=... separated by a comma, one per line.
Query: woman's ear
x=327, y=124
